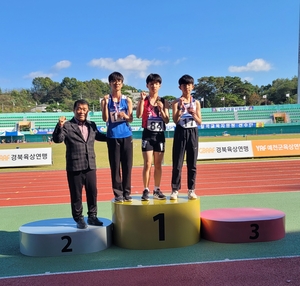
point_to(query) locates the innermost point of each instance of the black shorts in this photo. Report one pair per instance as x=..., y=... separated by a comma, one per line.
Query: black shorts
x=153, y=141
x=153, y=145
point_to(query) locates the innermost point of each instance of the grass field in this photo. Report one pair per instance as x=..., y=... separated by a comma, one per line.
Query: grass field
x=58, y=151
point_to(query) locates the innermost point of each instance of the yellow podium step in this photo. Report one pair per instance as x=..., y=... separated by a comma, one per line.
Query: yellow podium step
x=156, y=224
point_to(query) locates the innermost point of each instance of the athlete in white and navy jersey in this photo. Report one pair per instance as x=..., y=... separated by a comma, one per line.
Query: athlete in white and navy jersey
x=187, y=117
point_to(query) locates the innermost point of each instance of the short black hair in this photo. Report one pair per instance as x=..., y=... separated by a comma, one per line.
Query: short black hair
x=186, y=79
x=153, y=77
x=115, y=76
x=80, y=101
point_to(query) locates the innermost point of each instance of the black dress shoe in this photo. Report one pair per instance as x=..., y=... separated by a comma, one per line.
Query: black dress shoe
x=81, y=224
x=119, y=199
x=127, y=198
x=94, y=221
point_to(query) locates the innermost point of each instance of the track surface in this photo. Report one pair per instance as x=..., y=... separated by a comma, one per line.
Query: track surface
x=31, y=188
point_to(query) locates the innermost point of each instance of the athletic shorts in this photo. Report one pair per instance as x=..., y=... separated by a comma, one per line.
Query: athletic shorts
x=153, y=145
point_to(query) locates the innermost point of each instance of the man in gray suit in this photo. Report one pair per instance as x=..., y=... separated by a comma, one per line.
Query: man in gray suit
x=79, y=135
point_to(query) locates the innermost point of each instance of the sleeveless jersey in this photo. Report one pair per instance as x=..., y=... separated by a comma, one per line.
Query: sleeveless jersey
x=117, y=127
x=187, y=120
x=151, y=118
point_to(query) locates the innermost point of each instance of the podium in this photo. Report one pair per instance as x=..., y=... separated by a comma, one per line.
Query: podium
x=60, y=237
x=156, y=224
x=153, y=224
x=238, y=225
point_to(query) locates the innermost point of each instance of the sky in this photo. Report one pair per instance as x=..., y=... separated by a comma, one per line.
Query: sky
x=256, y=40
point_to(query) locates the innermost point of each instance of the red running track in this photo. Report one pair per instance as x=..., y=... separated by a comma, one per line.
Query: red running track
x=33, y=188
x=266, y=272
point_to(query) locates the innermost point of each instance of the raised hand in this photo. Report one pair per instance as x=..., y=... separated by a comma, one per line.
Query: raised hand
x=143, y=95
x=62, y=120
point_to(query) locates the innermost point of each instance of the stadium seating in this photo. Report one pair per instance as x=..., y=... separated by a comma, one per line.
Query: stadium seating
x=48, y=120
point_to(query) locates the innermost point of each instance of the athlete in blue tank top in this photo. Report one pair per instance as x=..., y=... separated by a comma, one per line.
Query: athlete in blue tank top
x=117, y=113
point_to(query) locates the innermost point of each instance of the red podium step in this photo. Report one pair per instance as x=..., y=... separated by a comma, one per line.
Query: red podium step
x=237, y=225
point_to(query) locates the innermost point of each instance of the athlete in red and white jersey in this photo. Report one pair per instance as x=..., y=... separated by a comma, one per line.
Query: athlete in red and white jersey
x=154, y=112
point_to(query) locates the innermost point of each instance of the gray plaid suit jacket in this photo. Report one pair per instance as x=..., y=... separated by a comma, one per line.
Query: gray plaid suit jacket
x=80, y=154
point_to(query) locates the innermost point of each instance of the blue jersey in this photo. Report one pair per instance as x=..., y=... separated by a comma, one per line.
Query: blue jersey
x=117, y=127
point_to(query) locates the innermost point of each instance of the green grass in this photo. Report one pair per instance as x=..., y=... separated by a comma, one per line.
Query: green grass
x=58, y=151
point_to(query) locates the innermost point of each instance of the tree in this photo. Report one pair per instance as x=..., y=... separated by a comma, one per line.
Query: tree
x=214, y=89
x=41, y=88
x=208, y=88
x=169, y=98
x=253, y=99
x=55, y=107
x=280, y=88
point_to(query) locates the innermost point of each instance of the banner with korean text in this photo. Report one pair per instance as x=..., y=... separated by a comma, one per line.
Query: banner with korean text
x=249, y=149
x=25, y=157
x=276, y=148
x=224, y=150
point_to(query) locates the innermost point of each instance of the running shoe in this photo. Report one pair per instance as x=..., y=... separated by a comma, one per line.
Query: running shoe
x=145, y=196
x=173, y=195
x=158, y=195
x=192, y=195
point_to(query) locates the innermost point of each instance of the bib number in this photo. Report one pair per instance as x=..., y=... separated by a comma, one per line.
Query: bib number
x=114, y=117
x=155, y=125
x=187, y=122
